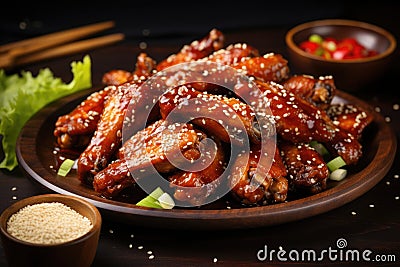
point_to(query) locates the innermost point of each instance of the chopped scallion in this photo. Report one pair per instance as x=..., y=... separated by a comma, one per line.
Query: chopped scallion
x=338, y=174
x=156, y=193
x=157, y=199
x=65, y=167
x=166, y=201
x=335, y=164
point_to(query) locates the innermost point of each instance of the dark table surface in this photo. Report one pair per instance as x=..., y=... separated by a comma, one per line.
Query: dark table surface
x=371, y=221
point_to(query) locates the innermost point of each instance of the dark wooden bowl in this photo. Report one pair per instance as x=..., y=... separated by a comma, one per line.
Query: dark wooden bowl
x=350, y=74
x=78, y=252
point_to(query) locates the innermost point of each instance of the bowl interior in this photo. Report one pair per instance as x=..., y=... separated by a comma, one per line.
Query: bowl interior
x=79, y=252
x=83, y=207
x=370, y=36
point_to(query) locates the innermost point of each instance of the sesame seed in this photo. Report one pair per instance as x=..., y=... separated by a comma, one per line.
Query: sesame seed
x=397, y=197
x=142, y=45
x=371, y=205
x=353, y=213
x=396, y=107
x=387, y=119
x=215, y=260
x=151, y=257
x=396, y=176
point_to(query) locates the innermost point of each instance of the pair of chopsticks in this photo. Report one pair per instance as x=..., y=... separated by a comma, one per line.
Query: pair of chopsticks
x=56, y=44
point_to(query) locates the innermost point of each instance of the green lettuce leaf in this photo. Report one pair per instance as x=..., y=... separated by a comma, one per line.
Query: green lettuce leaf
x=22, y=95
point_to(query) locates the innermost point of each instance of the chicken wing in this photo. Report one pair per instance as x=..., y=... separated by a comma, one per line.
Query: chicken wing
x=273, y=185
x=295, y=119
x=319, y=92
x=307, y=170
x=117, y=77
x=159, y=145
x=228, y=119
x=75, y=129
x=345, y=145
x=107, y=138
x=270, y=67
x=195, y=50
x=194, y=187
x=144, y=68
x=350, y=118
x=232, y=54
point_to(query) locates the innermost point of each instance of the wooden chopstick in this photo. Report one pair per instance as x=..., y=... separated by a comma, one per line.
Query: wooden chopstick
x=51, y=39
x=12, y=54
x=70, y=48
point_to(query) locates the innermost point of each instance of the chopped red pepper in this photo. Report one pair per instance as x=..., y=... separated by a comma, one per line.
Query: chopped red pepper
x=328, y=47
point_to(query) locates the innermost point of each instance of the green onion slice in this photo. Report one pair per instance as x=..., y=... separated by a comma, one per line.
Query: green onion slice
x=156, y=193
x=157, y=199
x=166, y=201
x=338, y=174
x=335, y=163
x=65, y=167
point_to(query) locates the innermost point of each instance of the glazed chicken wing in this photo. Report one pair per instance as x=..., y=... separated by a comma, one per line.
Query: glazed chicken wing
x=270, y=67
x=75, y=129
x=144, y=68
x=155, y=146
x=345, y=145
x=307, y=171
x=194, y=187
x=232, y=54
x=295, y=119
x=195, y=50
x=350, y=118
x=107, y=138
x=273, y=184
x=117, y=77
x=229, y=119
x=318, y=91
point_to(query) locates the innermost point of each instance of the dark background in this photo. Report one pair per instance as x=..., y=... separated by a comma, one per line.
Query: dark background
x=171, y=24
x=185, y=19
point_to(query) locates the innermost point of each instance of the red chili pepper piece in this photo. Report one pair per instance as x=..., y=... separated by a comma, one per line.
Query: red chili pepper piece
x=347, y=48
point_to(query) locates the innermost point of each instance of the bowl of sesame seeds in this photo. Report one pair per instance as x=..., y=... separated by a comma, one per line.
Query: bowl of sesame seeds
x=50, y=230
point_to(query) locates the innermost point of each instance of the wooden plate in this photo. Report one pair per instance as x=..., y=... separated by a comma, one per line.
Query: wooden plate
x=35, y=155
